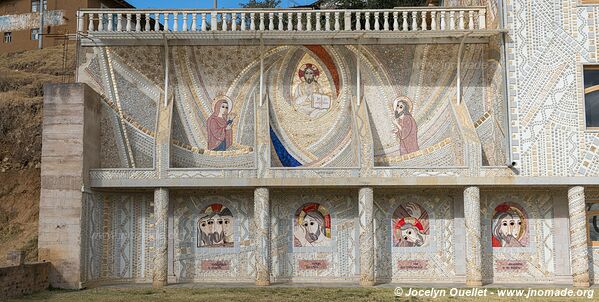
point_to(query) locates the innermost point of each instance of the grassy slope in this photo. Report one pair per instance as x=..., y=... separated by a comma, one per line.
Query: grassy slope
x=22, y=76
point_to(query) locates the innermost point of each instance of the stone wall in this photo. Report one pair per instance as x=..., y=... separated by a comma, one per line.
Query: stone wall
x=23, y=279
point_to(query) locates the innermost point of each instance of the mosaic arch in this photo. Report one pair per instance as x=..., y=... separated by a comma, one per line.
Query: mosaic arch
x=312, y=226
x=215, y=227
x=410, y=225
x=510, y=226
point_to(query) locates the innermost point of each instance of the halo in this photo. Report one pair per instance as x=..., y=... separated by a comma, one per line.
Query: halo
x=226, y=98
x=405, y=99
x=300, y=72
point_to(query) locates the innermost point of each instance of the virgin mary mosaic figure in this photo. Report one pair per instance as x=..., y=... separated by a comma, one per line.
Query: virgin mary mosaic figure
x=220, y=125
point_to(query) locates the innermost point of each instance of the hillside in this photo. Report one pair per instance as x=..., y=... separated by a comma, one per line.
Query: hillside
x=22, y=76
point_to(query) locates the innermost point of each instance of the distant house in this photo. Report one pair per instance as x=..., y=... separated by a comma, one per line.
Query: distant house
x=20, y=21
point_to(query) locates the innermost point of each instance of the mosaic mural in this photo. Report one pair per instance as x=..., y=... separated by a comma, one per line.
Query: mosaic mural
x=312, y=226
x=410, y=225
x=215, y=227
x=509, y=226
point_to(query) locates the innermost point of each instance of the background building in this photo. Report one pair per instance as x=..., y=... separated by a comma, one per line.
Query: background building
x=20, y=21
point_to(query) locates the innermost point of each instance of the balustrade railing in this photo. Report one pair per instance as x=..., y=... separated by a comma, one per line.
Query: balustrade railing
x=416, y=19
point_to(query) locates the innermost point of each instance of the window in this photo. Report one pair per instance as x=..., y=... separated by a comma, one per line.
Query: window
x=592, y=209
x=8, y=37
x=35, y=5
x=591, y=96
x=35, y=34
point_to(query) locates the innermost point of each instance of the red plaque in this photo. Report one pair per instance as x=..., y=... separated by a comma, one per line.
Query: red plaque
x=215, y=265
x=313, y=264
x=412, y=265
x=510, y=265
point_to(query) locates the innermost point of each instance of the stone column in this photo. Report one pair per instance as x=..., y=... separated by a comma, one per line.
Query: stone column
x=365, y=205
x=262, y=222
x=473, y=236
x=161, y=199
x=578, y=237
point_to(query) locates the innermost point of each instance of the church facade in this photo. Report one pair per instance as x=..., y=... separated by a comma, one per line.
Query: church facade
x=455, y=144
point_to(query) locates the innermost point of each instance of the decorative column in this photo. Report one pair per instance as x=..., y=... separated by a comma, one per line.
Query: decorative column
x=262, y=222
x=365, y=204
x=578, y=237
x=161, y=199
x=473, y=236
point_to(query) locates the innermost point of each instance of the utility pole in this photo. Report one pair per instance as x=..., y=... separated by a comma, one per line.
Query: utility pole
x=215, y=4
x=41, y=30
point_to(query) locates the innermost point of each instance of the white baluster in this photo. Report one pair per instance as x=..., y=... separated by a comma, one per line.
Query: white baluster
x=337, y=24
x=443, y=25
x=271, y=23
x=289, y=21
x=347, y=20
x=318, y=21
x=194, y=22
x=137, y=22
x=414, y=20
x=100, y=23
x=433, y=20
x=119, y=22
x=156, y=21
x=243, y=25
x=367, y=23
x=110, y=22
x=233, y=21
x=213, y=21
x=299, y=21
x=146, y=17
x=281, y=26
x=358, y=23
x=80, y=16
x=308, y=21
x=482, y=22
x=376, y=20
x=261, y=26
x=224, y=20
x=395, y=21
x=423, y=24
x=471, y=20
x=185, y=15
x=166, y=27
x=461, y=20
x=252, y=21
x=452, y=20
x=204, y=23
x=128, y=24
x=386, y=21
x=404, y=21
x=90, y=25
x=327, y=21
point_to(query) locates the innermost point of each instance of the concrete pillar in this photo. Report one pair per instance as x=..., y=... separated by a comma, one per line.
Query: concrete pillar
x=262, y=222
x=578, y=237
x=161, y=200
x=365, y=207
x=473, y=236
x=70, y=147
x=561, y=240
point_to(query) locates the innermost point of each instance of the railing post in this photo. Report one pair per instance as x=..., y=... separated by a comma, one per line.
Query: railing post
x=482, y=22
x=271, y=24
x=100, y=23
x=243, y=25
x=452, y=20
x=252, y=21
x=461, y=20
x=289, y=21
x=119, y=22
x=347, y=20
x=261, y=21
x=128, y=26
x=423, y=17
x=376, y=21
x=471, y=20
x=194, y=22
x=327, y=21
x=213, y=21
x=233, y=21
x=318, y=21
x=137, y=22
x=299, y=21
x=433, y=20
x=358, y=23
x=223, y=17
x=337, y=24
x=386, y=21
x=147, y=22
x=281, y=26
x=166, y=27
x=414, y=20
x=367, y=23
x=110, y=22
x=308, y=21
x=90, y=25
x=185, y=21
x=443, y=24
x=404, y=22
x=395, y=21
x=80, y=21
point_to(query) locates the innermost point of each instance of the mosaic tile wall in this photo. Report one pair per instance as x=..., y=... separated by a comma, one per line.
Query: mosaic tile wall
x=337, y=261
x=213, y=263
x=532, y=258
x=431, y=261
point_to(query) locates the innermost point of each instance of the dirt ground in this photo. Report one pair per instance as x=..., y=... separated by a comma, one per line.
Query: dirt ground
x=22, y=76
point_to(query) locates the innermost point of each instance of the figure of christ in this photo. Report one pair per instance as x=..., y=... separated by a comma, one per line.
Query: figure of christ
x=308, y=97
x=406, y=129
x=219, y=124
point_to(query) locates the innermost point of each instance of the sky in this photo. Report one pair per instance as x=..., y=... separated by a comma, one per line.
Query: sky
x=203, y=3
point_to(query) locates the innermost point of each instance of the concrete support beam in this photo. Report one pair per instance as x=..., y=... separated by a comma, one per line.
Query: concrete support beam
x=70, y=147
x=561, y=241
x=365, y=209
x=262, y=223
x=161, y=201
x=579, y=253
x=473, y=236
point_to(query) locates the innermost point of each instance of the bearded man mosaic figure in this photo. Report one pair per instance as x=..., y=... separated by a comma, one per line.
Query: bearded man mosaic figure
x=312, y=226
x=308, y=96
x=406, y=129
x=215, y=227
